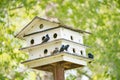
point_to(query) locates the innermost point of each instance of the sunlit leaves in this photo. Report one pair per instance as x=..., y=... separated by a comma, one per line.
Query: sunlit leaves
x=101, y=17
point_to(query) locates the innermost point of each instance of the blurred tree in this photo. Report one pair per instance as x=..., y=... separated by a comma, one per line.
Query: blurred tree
x=101, y=17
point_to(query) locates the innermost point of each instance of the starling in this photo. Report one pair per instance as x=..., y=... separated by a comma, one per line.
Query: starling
x=90, y=55
x=46, y=38
x=55, y=51
x=66, y=47
x=62, y=48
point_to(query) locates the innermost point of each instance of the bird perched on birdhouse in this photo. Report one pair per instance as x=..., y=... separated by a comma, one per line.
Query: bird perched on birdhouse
x=64, y=47
x=49, y=42
x=55, y=51
x=90, y=55
x=45, y=38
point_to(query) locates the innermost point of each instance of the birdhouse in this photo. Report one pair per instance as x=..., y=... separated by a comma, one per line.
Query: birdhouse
x=49, y=43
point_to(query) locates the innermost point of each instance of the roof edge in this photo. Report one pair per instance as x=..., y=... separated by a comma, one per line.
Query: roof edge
x=61, y=53
x=60, y=24
x=37, y=45
x=25, y=27
x=36, y=17
x=71, y=28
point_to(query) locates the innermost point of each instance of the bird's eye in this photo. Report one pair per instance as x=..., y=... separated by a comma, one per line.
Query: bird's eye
x=55, y=35
x=41, y=26
x=45, y=51
x=32, y=41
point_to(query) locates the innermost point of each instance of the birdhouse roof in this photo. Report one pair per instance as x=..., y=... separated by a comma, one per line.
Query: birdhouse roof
x=36, y=19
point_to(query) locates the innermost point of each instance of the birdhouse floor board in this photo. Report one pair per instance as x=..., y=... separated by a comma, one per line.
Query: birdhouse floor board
x=70, y=61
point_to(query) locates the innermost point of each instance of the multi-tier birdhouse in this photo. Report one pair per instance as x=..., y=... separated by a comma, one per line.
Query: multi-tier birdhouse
x=51, y=43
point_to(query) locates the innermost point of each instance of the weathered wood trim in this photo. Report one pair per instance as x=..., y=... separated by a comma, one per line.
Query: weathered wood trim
x=36, y=17
x=25, y=26
x=43, y=61
x=57, y=58
x=61, y=54
x=73, y=60
x=37, y=45
x=40, y=31
x=60, y=25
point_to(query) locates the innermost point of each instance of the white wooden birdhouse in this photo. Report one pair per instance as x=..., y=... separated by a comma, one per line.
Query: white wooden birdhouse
x=50, y=42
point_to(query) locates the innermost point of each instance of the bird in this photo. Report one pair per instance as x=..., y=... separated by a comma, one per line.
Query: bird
x=46, y=38
x=66, y=47
x=62, y=48
x=90, y=55
x=55, y=51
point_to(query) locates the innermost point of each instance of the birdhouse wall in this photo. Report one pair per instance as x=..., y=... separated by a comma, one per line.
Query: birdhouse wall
x=38, y=37
x=43, y=50
x=58, y=33
x=75, y=48
x=40, y=25
x=48, y=48
x=72, y=35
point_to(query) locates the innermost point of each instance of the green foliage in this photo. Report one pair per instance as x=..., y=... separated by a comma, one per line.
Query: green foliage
x=101, y=17
x=71, y=77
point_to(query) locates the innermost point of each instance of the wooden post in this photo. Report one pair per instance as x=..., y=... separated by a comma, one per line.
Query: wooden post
x=58, y=72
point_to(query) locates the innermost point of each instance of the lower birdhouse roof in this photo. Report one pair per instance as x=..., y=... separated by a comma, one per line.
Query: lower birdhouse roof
x=69, y=61
x=51, y=42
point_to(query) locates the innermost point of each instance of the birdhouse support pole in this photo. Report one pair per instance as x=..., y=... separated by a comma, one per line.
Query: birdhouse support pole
x=58, y=72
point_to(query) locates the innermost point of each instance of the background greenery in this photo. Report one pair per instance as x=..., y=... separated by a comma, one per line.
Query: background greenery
x=101, y=17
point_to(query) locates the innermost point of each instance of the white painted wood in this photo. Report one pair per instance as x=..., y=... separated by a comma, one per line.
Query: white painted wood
x=41, y=53
x=75, y=47
x=68, y=34
x=38, y=37
x=62, y=33
x=74, y=60
x=36, y=26
x=33, y=26
x=57, y=58
x=38, y=51
x=44, y=61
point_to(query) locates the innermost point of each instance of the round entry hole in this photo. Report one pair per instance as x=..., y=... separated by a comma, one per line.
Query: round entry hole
x=32, y=41
x=55, y=35
x=73, y=50
x=45, y=51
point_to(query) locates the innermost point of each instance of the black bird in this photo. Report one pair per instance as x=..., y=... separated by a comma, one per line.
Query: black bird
x=46, y=38
x=62, y=48
x=66, y=47
x=55, y=51
x=90, y=55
